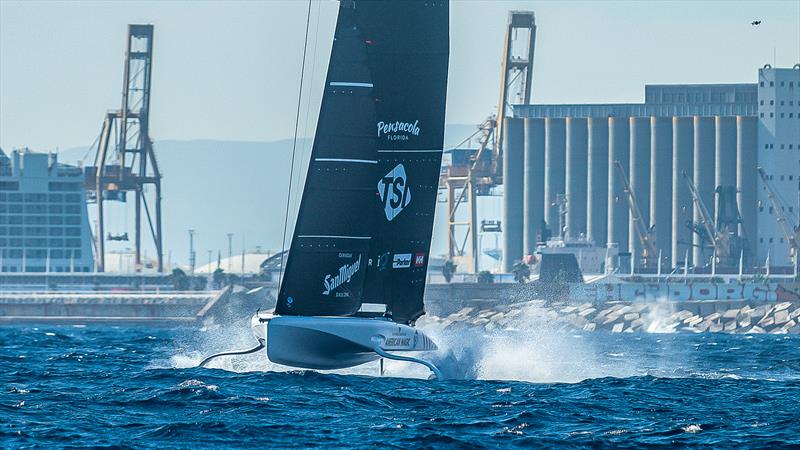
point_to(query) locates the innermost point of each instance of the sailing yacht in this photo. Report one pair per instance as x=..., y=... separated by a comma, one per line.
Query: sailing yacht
x=356, y=269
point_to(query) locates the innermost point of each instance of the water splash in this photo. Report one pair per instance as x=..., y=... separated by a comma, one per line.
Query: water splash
x=660, y=317
x=524, y=347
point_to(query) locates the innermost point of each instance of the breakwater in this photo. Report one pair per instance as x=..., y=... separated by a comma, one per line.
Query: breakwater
x=632, y=317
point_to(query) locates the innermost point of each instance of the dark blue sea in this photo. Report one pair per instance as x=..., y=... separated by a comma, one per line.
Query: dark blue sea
x=101, y=385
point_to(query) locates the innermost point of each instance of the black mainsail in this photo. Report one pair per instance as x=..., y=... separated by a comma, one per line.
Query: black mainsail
x=365, y=221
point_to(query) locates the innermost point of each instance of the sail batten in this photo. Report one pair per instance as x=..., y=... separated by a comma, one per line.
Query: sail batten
x=366, y=216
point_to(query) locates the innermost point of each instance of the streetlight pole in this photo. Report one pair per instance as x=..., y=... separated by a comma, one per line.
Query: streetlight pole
x=230, y=251
x=191, y=252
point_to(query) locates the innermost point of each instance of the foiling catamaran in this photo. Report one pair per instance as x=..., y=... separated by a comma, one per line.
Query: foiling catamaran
x=356, y=268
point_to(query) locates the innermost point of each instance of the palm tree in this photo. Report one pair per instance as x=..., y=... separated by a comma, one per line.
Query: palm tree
x=179, y=280
x=218, y=277
x=485, y=277
x=521, y=271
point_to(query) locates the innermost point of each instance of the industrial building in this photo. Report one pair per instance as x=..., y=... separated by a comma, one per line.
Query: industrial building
x=779, y=156
x=718, y=135
x=44, y=225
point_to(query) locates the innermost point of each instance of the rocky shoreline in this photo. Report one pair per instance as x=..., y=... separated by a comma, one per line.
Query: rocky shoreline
x=632, y=317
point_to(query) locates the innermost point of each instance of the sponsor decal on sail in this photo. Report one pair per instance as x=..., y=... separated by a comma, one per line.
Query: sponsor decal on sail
x=394, y=192
x=398, y=131
x=419, y=259
x=346, y=272
x=401, y=261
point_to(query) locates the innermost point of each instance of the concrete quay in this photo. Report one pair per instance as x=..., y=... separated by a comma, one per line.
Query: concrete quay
x=110, y=306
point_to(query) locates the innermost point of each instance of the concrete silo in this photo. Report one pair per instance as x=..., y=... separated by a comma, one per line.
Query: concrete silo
x=682, y=162
x=597, y=180
x=704, y=149
x=513, y=185
x=747, y=179
x=725, y=155
x=618, y=150
x=534, y=183
x=555, y=147
x=661, y=184
x=639, y=177
x=576, y=176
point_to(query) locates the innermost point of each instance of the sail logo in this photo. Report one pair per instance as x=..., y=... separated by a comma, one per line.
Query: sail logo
x=419, y=259
x=394, y=192
x=401, y=261
x=398, y=131
x=346, y=272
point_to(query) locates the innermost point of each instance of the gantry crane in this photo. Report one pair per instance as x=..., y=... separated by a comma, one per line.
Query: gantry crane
x=647, y=235
x=791, y=231
x=727, y=244
x=125, y=160
x=484, y=169
x=517, y=79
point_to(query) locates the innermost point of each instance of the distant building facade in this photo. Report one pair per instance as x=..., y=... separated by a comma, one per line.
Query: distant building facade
x=778, y=155
x=44, y=225
x=717, y=134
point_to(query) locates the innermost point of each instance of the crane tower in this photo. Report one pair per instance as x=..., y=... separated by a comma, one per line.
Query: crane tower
x=124, y=160
x=474, y=172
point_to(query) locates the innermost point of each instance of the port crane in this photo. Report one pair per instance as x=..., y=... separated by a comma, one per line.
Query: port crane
x=125, y=161
x=727, y=244
x=482, y=169
x=791, y=231
x=647, y=235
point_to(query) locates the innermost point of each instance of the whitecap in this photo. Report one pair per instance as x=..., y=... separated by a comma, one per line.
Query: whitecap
x=615, y=432
x=200, y=384
x=692, y=428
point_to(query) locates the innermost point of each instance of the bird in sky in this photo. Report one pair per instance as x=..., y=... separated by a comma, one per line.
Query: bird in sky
x=755, y=23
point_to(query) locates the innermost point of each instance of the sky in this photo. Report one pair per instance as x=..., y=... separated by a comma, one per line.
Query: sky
x=230, y=70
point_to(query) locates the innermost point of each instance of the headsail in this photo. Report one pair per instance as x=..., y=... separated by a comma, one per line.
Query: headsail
x=364, y=225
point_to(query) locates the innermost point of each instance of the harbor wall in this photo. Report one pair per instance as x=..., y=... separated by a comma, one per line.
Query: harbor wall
x=132, y=307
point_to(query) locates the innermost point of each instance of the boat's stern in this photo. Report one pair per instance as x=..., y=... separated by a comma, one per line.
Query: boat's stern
x=258, y=324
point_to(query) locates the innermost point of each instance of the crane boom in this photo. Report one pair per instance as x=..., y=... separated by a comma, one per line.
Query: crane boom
x=646, y=235
x=722, y=242
x=705, y=216
x=791, y=232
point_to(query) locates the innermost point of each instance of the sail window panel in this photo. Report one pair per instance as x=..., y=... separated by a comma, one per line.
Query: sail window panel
x=349, y=60
x=412, y=27
x=350, y=70
x=347, y=115
x=346, y=147
x=331, y=175
x=343, y=213
x=401, y=290
x=350, y=53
